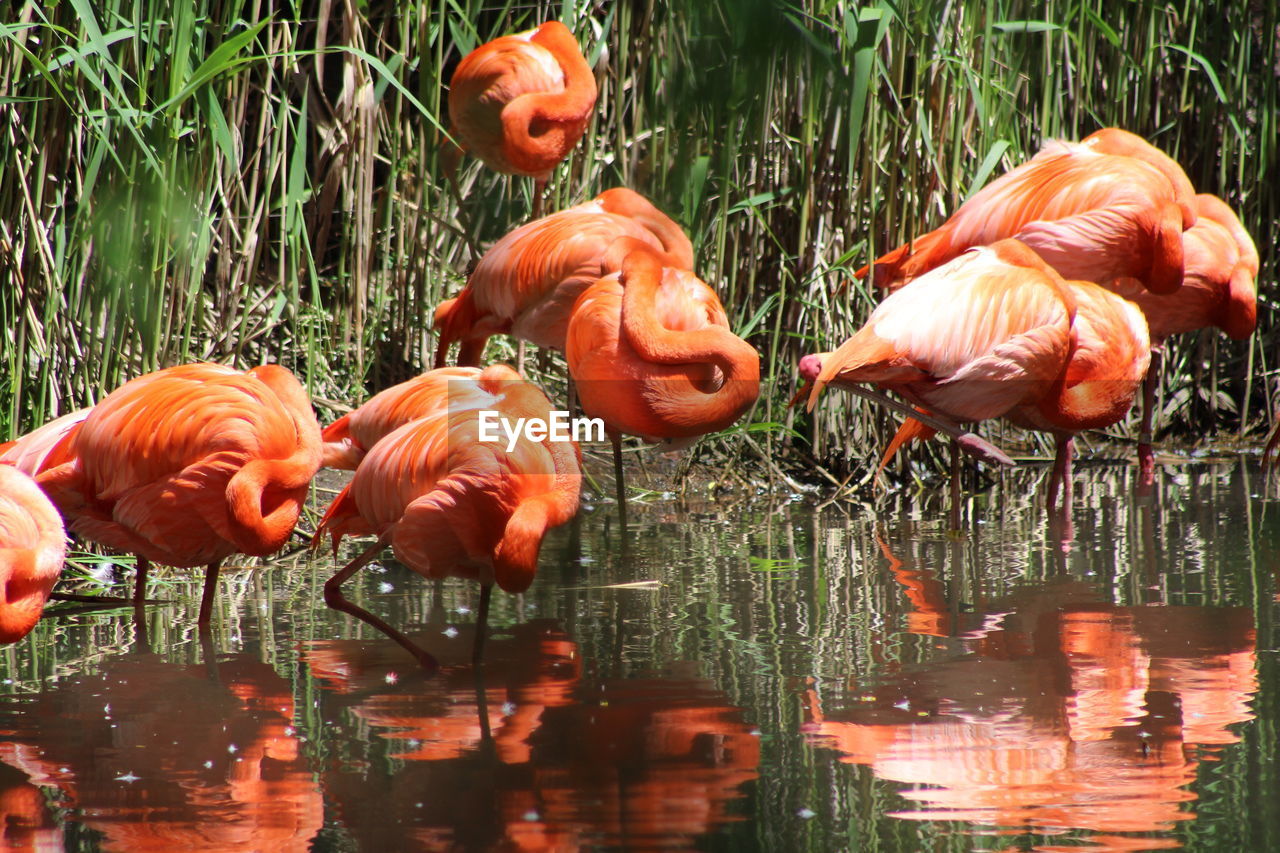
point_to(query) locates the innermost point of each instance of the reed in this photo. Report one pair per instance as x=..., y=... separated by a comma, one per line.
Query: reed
x=220, y=182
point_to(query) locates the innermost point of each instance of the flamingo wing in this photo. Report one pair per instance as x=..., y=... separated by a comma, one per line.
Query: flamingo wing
x=970, y=339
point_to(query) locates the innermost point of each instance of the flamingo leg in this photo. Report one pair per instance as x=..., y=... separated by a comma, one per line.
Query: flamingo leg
x=1146, y=456
x=619, y=481
x=520, y=357
x=482, y=622
x=334, y=598
x=140, y=580
x=955, y=485
x=970, y=443
x=539, y=187
x=210, y=591
x=1060, y=479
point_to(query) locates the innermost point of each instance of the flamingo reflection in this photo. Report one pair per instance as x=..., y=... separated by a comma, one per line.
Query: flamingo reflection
x=1065, y=713
x=530, y=755
x=163, y=756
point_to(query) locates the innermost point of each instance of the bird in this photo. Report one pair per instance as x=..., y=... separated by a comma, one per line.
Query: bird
x=33, y=545
x=1220, y=267
x=1110, y=206
x=527, y=282
x=347, y=439
x=651, y=354
x=521, y=102
x=993, y=333
x=188, y=465
x=451, y=504
x=1109, y=357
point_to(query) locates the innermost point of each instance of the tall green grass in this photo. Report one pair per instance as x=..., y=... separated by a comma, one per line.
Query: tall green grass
x=216, y=181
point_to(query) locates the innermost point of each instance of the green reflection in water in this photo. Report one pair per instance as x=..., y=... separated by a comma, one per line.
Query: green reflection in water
x=754, y=675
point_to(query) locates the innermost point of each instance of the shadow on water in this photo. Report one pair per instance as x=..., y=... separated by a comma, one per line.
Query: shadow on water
x=763, y=675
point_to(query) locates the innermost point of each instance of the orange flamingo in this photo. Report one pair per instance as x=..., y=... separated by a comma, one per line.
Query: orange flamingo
x=347, y=439
x=33, y=545
x=651, y=354
x=1109, y=207
x=527, y=282
x=451, y=504
x=997, y=332
x=521, y=102
x=191, y=464
x=1218, y=289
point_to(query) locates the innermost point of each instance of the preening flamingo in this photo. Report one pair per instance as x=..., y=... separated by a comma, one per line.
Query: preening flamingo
x=651, y=354
x=527, y=283
x=1108, y=207
x=33, y=545
x=1220, y=265
x=521, y=102
x=997, y=332
x=188, y=465
x=450, y=504
x=347, y=439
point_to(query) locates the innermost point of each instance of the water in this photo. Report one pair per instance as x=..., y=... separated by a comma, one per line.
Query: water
x=773, y=675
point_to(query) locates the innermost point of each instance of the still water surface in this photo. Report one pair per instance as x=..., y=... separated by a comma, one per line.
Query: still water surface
x=749, y=674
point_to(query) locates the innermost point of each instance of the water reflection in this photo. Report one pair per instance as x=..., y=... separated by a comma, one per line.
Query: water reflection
x=527, y=754
x=161, y=756
x=913, y=689
x=25, y=815
x=1062, y=711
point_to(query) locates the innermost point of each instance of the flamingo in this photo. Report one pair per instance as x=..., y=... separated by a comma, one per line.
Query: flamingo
x=997, y=332
x=651, y=354
x=347, y=439
x=528, y=281
x=451, y=504
x=33, y=545
x=1218, y=289
x=1111, y=206
x=521, y=102
x=188, y=465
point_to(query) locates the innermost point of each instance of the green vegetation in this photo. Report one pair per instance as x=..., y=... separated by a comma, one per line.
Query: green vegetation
x=205, y=180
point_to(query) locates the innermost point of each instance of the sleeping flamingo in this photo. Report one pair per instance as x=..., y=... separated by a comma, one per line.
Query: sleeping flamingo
x=997, y=332
x=651, y=354
x=527, y=282
x=347, y=439
x=1220, y=265
x=188, y=465
x=33, y=545
x=450, y=504
x=1111, y=206
x=521, y=102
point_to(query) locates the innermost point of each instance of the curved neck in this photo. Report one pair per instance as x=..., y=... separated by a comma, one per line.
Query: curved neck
x=539, y=127
x=265, y=495
x=737, y=360
x=579, y=96
x=678, y=251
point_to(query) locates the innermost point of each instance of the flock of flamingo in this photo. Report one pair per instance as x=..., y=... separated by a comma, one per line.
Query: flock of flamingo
x=1044, y=299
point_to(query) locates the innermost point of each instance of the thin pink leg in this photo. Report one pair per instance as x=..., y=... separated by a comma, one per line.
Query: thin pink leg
x=1061, y=476
x=1146, y=455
